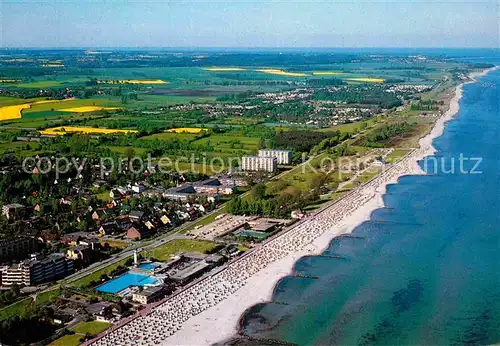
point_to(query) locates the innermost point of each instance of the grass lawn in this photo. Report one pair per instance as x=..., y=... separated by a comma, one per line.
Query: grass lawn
x=67, y=340
x=351, y=127
x=396, y=155
x=165, y=252
x=86, y=280
x=92, y=327
x=47, y=296
x=230, y=144
x=16, y=309
x=368, y=174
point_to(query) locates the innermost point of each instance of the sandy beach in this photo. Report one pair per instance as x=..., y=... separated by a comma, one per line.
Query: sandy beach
x=209, y=311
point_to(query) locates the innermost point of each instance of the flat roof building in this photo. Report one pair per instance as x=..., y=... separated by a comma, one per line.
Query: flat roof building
x=259, y=163
x=191, y=272
x=33, y=272
x=284, y=157
x=149, y=294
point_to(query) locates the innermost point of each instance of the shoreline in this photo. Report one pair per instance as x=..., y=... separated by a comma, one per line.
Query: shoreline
x=210, y=312
x=227, y=326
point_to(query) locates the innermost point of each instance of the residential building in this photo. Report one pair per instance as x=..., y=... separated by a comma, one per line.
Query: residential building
x=284, y=157
x=17, y=248
x=82, y=253
x=135, y=215
x=259, y=163
x=137, y=232
x=34, y=271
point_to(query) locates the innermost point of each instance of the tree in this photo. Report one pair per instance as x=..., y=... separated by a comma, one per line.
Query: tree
x=258, y=191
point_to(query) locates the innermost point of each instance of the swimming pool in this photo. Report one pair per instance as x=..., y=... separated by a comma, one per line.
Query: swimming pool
x=124, y=281
x=147, y=266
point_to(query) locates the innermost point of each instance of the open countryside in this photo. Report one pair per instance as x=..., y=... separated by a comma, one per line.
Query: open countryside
x=245, y=166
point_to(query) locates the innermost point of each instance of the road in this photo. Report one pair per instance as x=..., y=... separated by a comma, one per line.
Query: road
x=126, y=253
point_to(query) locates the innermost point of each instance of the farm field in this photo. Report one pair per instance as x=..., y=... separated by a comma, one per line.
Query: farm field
x=165, y=136
x=282, y=73
x=12, y=112
x=124, y=150
x=62, y=130
x=230, y=144
x=86, y=109
x=366, y=80
x=225, y=69
x=133, y=81
x=190, y=130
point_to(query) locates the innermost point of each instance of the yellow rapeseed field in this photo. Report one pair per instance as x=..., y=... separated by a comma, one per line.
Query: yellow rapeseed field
x=12, y=112
x=327, y=73
x=51, y=101
x=86, y=109
x=282, y=73
x=62, y=130
x=133, y=81
x=366, y=80
x=9, y=80
x=224, y=69
x=194, y=130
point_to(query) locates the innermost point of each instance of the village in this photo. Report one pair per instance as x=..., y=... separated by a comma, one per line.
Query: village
x=108, y=258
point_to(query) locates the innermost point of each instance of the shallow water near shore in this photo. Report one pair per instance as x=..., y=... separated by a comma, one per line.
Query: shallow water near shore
x=423, y=270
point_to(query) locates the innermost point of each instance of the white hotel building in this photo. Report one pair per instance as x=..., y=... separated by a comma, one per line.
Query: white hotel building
x=259, y=163
x=284, y=157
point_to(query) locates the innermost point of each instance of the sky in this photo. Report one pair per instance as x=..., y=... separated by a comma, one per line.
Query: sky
x=258, y=23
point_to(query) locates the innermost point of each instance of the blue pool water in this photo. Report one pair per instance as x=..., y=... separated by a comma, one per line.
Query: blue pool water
x=147, y=266
x=124, y=281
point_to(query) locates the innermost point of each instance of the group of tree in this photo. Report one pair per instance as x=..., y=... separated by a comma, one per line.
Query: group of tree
x=376, y=137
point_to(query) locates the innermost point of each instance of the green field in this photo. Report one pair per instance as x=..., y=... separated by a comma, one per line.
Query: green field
x=17, y=309
x=67, y=340
x=230, y=144
x=165, y=136
x=123, y=150
x=176, y=246
x=396, y=155
x=92, y=328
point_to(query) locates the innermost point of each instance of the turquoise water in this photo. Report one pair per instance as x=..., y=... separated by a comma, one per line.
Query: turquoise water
x=125, y=281
x=147, y=266
x=423, y=270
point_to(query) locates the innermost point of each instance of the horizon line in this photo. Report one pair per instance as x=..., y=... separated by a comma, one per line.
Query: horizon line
x=246, y=47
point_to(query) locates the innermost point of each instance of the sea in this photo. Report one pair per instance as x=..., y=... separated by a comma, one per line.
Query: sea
x=425, y=269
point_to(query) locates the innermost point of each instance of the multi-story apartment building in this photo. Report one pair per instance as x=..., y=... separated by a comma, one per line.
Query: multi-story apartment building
x=284, y=156
x=33, y=272
x=259, y=163
x=17, y=248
